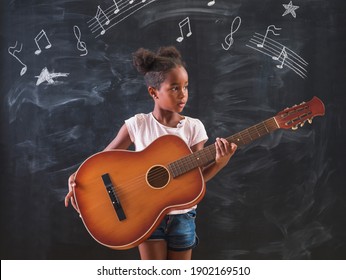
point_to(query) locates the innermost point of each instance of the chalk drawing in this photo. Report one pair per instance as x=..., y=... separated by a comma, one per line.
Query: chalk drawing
x=182, y=24
x=98, y=15
x=229, y=38
x=110, y=17
x=290, y=9
x=81, y=46
x=284, y=56
x=270, y=28
x=12, y=51
x=45, y=76
x=38, y=38
x=275, y=50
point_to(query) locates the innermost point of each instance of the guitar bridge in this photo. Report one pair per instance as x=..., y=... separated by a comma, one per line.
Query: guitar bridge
x=113, y=196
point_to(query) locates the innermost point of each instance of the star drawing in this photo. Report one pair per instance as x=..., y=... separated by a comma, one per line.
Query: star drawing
x=290, y=9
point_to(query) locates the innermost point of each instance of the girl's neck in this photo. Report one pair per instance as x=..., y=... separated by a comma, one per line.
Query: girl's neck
x=167, y=118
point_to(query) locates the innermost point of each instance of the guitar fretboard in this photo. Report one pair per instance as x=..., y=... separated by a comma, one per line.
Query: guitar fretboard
x=207, y=155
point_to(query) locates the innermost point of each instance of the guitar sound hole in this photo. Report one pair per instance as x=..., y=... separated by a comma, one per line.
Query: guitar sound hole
x=158, y=176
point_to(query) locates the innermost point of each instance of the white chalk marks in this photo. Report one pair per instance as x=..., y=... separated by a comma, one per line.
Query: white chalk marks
x=114, y=14
x=81, y=46
x=278, y=52
x=184, y=25
x=12, y=51
x=46, y=76
x=290, y=9
x=229, y=38
x=42, y=35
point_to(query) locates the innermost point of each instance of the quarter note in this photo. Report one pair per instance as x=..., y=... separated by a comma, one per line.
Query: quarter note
x=100, y=12
x=116, y=10
x=284, y=56
x=23, y=71
x=185, y=21
x=265, y=36
x=38, y=38
x=211, y=3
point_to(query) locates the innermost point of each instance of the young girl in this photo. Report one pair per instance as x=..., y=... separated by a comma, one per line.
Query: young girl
x=167, y=82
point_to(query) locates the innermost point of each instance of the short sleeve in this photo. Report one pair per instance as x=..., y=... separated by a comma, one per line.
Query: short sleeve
x=199, y=133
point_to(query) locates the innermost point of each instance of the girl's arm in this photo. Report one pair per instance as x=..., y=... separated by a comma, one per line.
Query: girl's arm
x=121, y=141
x=224, y=151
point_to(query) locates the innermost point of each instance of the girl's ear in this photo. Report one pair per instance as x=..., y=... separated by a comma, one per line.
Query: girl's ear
x=152, y=91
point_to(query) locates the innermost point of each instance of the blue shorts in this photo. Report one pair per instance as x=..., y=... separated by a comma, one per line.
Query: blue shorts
x=179, y=231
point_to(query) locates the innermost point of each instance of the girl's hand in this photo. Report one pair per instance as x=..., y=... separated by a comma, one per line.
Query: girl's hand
x=69, y=196
x=224, y=151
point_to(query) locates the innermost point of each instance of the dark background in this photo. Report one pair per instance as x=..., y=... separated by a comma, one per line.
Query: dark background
x=281, y=197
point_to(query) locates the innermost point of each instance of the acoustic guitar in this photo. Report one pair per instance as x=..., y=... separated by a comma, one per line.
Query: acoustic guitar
x=123, y=195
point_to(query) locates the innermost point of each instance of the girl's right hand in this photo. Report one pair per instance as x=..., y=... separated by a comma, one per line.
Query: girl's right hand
x=70, y=196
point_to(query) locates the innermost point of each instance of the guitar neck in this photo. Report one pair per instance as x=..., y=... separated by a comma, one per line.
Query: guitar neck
x=207, y=155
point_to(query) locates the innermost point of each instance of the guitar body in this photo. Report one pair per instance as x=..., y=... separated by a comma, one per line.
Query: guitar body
x=144, y=197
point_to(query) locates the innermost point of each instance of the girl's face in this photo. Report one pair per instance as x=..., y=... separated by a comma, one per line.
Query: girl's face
x=173, y=93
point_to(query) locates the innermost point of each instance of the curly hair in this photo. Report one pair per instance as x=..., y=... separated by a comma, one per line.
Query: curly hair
x=155, y=66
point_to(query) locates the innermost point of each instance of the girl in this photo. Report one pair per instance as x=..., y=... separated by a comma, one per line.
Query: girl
x=167, y=82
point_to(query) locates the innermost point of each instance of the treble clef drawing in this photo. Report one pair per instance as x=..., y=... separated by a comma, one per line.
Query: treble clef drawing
x=229, y=38
x=81, y=46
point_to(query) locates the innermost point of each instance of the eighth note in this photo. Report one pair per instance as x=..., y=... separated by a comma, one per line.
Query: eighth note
x=81, y=46
x=229, y=38
x=265, y=36
x=97, y=17
x=38, y=38
x=23, y=71
x=181, y=26
x=284, y=54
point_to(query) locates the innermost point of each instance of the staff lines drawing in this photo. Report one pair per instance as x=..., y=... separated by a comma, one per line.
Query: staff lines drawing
x=273, y=49
x=113, y=15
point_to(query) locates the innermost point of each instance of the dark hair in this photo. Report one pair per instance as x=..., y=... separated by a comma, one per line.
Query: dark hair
x=155, y=66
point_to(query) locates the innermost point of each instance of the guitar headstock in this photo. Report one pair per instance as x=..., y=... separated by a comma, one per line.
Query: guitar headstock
x=299, y=114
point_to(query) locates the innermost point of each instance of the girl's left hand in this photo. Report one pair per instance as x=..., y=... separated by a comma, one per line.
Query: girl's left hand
x=224, y=151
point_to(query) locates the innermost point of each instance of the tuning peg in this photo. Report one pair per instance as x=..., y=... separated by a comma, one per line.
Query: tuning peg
x=295, y=127
x=302, y=103
x=302, y=124
x=310, y=121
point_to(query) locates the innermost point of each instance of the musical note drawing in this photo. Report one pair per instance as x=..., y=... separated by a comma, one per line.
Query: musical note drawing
x=229, y=38
x=116, y=10
x=131, y=1
x=185, y=21
x=211, y=3
x=284, y=55
x=81, y=46
x=113, y=15
x=38, y=38
x=23, y=71
x=265, y=36
x=100, y=12
x=277, y=51
x=45, y=76
x=290, y=9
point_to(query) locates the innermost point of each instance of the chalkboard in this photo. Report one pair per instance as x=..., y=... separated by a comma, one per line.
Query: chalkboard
x=68, y=84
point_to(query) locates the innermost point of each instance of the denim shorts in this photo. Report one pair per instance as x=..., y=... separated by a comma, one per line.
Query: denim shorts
x=179, y=231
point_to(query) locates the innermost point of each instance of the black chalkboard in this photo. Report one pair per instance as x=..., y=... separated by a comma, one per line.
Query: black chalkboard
x=68, y=84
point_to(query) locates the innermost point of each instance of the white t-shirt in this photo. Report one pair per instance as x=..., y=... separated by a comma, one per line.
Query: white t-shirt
x=144, y=129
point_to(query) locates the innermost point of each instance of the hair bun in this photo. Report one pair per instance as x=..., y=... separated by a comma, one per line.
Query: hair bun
x=144, y=60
